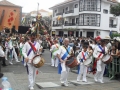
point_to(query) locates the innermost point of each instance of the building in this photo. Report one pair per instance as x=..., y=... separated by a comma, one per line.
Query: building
x=88, y=18
x=5, y=6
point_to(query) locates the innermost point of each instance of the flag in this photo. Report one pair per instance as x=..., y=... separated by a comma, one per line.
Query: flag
x=10, y=18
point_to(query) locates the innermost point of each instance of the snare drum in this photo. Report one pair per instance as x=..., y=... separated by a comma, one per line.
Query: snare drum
x=87, y=62
x=107, y=59
x=38, y=61
x=71, y=62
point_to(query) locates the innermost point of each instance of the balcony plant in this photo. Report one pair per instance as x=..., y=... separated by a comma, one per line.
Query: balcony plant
x=115, y=10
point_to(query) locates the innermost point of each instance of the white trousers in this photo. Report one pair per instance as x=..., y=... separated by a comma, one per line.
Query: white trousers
x=100, y=70
x=55, y=61
x=32, y=74
x=83, y=71
x=14, y=54
x=64, y=73
x=6, y=53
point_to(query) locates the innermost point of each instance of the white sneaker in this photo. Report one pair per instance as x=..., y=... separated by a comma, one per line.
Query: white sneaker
x=65, y=84
x=100, y=81
x=10, y=63
x=17, y=61
x=95, y=79
x=31, y=88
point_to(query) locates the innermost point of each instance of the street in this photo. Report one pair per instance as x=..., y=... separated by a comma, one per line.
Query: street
x=48, y=78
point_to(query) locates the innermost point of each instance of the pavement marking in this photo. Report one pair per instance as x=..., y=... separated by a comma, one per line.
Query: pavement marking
x=80, y=83
x=47, y=85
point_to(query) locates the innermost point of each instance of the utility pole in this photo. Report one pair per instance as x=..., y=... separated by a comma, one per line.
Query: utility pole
x=37, y=32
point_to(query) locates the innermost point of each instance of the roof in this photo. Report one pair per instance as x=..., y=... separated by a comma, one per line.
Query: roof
x=66, y=1
x=114, y=1
x=42, y=10
x=7, y=3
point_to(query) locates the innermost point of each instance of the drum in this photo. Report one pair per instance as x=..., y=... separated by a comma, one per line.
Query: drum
x=71, y=62
x=107, y=59
x=87, y=62
x=38, y=61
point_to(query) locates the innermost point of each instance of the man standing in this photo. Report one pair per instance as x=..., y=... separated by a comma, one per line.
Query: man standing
x=31, y=49
x=63, y=54
x=99, y=52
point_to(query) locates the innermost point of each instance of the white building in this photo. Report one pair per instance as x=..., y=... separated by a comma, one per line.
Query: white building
x=84, y=18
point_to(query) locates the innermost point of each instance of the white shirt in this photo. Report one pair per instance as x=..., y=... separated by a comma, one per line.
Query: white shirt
x=2, y=54
x=10, y=44
x=97, y=51
x=62, y=51
x=26, y=49
x=55, y=47
x=6, y=45
x=80, y=56
x=21, y=45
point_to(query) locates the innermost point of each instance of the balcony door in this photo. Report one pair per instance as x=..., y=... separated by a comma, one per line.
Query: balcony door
x=90, y=34
x=77, y=33
x=73, y=21
x=61, y=33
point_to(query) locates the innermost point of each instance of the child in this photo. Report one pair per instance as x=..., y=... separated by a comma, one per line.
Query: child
x=82, y=56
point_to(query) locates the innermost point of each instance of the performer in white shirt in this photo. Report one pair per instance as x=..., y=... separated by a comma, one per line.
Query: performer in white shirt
x=98, y=53
x=28, y=53
x=6, y=49
x=12, y=51
x=82, y=56
x=63, y=54
x=54, y=49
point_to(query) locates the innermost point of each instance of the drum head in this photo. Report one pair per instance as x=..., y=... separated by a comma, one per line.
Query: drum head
x=70, y=60
x=36, y=59
x=106, y=58
x=88, y=61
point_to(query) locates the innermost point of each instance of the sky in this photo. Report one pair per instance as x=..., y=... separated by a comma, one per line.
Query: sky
x=30, y=5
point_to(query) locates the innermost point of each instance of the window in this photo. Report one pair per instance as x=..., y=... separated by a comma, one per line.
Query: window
x=90, y=5
x=66, y=8
x=77, y=20
x=53, y=22
x=63, y=10
x=76, y=5
x=55, y=11
x=89, y=20
x=105, y=11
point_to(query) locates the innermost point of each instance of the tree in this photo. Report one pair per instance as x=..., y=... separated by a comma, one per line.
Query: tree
x=115, y=10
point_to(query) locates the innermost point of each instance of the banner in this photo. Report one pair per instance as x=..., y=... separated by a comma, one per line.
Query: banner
x=9, y=18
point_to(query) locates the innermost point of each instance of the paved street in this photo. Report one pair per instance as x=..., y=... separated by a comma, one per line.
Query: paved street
x=18, y=78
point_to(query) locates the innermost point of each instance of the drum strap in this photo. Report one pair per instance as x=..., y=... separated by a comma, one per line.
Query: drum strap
x=103, y=50
x=83, y=54
x=32, y=48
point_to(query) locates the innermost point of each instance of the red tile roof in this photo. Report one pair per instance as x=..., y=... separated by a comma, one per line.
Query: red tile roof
x=114, y=1
x=7, y=3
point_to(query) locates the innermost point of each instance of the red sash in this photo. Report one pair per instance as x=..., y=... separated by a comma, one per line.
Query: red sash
x=83, y=56
x=33, y=47
x=95, y=64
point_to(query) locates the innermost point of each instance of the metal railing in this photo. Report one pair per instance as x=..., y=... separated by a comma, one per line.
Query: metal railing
x=70, y=11
x=112, y=26
x=70, y=24
x=59, y=14
x=55, y=25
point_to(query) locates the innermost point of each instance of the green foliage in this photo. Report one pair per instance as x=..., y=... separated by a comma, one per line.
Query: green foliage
x=115, y=35
x=115, y=10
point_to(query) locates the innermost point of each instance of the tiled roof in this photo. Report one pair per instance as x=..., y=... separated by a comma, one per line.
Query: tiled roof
x=42, y=10
x=7, y=3
x=114, y=1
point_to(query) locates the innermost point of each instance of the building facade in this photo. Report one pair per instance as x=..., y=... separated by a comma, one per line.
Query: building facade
x=5, y=6
x=84, y=18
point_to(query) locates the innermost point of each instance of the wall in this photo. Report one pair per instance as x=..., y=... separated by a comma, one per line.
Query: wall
x=18, y=18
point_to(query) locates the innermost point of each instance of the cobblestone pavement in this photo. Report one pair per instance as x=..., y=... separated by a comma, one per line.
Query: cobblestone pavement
x=19, y=81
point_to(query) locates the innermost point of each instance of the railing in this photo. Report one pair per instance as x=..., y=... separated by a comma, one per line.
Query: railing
x=70, y=24
x=59, y=14
x=112, y=26
x=71, y=11
x=56, y=25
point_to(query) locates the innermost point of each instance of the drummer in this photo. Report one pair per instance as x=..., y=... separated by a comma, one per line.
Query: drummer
x=82, y=56
x=63, y=53
x=99, y=52
x=30, y=49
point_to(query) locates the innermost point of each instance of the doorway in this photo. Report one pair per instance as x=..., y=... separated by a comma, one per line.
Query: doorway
x=77, y=33
x=90, y=34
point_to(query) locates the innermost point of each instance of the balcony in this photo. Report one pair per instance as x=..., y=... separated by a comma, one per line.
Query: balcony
x=70, y=24
x=112, y=26
x=59, y=14
x=71, y=11
x=56, y=25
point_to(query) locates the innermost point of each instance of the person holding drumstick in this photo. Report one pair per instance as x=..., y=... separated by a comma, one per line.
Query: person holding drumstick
x=31, y=49
x=99, y=52
x=63, y=54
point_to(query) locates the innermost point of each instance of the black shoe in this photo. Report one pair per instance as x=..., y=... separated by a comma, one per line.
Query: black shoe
x=4, y=65
x=1, y=75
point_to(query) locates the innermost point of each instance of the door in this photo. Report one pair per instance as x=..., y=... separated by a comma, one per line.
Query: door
x=73, y=21
x=61, y=33
x=77, y=33
x=90, y=34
